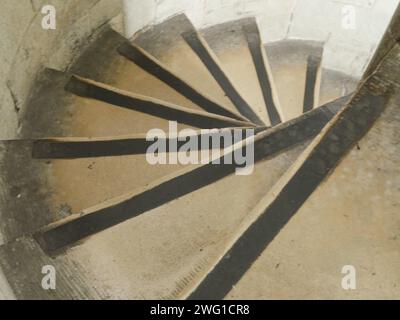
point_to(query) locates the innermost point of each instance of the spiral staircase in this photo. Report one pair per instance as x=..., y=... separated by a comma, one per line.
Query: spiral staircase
x=82, y=197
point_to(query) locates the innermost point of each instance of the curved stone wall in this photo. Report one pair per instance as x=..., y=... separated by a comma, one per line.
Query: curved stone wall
x=26, y=47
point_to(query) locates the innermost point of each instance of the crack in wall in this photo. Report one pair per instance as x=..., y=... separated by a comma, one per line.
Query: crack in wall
x=14, y=98
x=289, y=28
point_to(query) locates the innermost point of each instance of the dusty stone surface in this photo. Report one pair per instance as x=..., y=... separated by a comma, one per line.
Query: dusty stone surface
x=288, y=60
x=102, y=62
x=165, y=43
x=230, y=49
x=163, y=252
x=37, y=192
x=352, y=219
x=362, y=189
x=335, y=84
x=22, y=261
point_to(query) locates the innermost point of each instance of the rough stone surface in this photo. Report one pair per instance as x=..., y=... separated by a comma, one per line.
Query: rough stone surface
x=26, y=47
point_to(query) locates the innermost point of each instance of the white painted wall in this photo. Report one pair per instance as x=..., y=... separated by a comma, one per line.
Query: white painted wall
x=348, y=51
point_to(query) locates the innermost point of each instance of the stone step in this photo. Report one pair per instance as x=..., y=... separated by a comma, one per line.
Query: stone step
x=165, y=43
x=230, y=43
x=335, y=84
x=101, y=62
x=130, y=205
x=296, y=71
x=311, y=191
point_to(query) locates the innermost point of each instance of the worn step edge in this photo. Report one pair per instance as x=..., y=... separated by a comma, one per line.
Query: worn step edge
x=264, y=73
x=211, y=61
x=75, y=148
x=156, y=68
x=100, y=61
x=313, y=82
x=100, y=91
x=267, y=144
x=298, y=51
x=315, y=165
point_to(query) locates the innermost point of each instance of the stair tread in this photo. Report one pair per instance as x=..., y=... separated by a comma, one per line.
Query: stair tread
x=106, y=215
x=165, y=43
x=79, y=116
x=335, y=84
x=19, y=167
x=360, y=136
x=228, y=42
x=270, y=172
x=148, y=105
x=65, y=186
x=55, y=112
x=101, y=62
x=122, y=228
x=348, y=223
x=188, y=246
x=288, y=60
x=138, y=269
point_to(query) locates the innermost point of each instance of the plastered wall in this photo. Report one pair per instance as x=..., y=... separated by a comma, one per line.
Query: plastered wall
x=26, y=47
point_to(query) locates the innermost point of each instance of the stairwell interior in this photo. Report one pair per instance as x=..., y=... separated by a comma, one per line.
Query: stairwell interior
x=77, y=193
